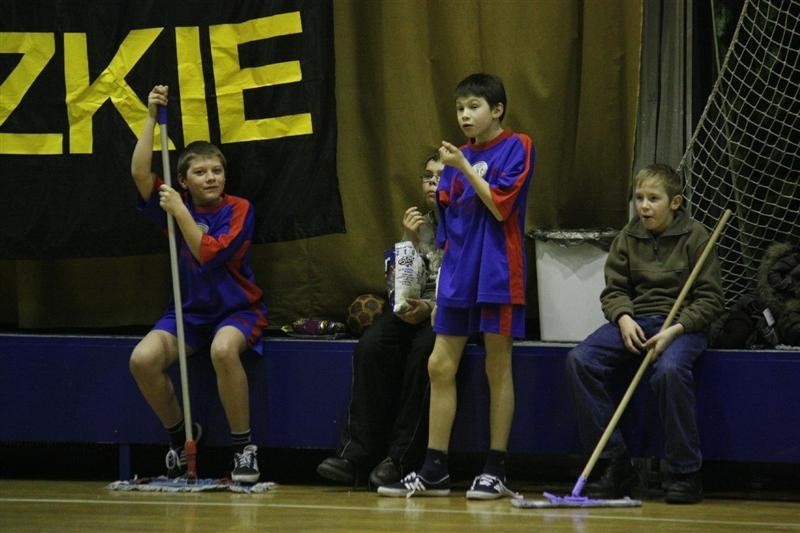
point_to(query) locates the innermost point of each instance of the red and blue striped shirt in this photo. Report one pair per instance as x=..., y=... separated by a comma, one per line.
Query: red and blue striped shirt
x=484, y=259
x=222, y=280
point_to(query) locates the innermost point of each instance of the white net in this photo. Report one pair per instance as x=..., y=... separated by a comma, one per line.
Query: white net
x=744, y=152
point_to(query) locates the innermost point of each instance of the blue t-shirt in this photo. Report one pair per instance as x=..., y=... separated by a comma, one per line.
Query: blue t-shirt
x=222, y=281
x=484, y=259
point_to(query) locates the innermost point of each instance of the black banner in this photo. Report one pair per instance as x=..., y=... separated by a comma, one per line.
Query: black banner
x=254, y=77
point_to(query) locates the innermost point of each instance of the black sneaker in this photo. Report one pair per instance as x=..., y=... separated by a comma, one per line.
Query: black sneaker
x=176, y=457
x=618, y=479
x=338, y=469
x=684, y=488
x=385, y=473
x=245, y=465
x=415, y=485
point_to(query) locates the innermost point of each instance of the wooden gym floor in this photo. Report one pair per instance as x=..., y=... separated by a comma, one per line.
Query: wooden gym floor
x=66, y=506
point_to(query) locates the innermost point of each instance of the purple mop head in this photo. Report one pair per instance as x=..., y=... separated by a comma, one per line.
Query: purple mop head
x=584, y=501
x=574, y=500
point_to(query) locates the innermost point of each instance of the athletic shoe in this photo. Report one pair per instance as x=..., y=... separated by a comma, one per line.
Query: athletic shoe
x=338, y=469
x=245, y=465
x=385, y=473
x=684, y=488
x=415, y=485
x=489, y=487
x=176, y=457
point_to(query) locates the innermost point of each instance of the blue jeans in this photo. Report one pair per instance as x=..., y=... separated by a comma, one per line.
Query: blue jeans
x=601, y=354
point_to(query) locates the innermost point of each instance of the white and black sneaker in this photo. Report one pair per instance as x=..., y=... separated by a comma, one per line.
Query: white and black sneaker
x=415, y=485
x=489, y=487
x=176, y=457
x=245, y=465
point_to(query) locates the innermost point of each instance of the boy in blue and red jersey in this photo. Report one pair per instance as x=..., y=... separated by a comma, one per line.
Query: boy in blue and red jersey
x=222, y=305
x=482, y=199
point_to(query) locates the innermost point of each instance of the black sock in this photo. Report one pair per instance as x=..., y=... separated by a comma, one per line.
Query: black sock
x=240, y=440
x=177, y=435
x=496, y=463
x=435, y=466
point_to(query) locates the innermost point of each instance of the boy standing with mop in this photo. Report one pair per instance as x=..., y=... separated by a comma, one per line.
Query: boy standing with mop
x=222, y=305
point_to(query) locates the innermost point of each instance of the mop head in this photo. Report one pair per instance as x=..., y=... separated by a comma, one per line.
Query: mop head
x=165, y=484
x=573, y=502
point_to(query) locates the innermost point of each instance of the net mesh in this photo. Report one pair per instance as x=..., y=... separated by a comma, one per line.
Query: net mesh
x=743, y=154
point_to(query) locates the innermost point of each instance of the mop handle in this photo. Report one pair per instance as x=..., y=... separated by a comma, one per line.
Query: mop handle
x=648, y=358
x=176, y=285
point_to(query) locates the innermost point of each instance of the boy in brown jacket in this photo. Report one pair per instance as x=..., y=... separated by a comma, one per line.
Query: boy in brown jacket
x=647, y=265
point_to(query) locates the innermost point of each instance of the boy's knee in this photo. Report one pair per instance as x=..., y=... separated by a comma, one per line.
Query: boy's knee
x=134, y=364
x=666, y=373
x=153, y=354
x=497, y=369
x=440, y=368
x=576, y=358
x=224, y=353
x=141, y=362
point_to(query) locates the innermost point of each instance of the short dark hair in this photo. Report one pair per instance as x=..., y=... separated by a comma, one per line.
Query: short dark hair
x=665, y=174
x=486, y=86
x=199, y=149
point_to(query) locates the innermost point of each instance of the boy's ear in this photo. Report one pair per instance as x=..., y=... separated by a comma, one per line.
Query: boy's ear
x=497, y=110
x=676, y=202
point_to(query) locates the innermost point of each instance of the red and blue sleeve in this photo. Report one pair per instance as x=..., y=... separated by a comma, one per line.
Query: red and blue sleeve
x=229, y=235
x=516, y=171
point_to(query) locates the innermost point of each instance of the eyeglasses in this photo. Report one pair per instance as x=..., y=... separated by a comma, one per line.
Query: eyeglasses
x=430, y=178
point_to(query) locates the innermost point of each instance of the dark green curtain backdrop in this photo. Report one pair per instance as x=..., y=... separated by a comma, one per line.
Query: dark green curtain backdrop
x=571, y=70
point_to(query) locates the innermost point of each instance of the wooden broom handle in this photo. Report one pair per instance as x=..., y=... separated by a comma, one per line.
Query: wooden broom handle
x=176, y=283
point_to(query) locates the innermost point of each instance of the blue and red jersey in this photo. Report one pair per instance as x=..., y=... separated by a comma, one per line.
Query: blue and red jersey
x=484, y=259
x=222, y=281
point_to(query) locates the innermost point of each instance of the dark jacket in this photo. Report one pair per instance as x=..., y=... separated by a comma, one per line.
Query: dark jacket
x=644, y=274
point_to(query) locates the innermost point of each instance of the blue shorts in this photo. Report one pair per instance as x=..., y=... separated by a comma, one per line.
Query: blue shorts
x=198, y=331
x=503, y=319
